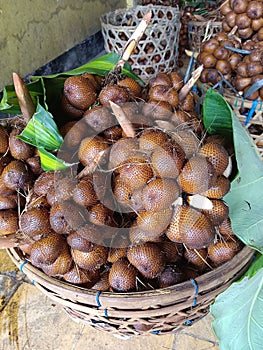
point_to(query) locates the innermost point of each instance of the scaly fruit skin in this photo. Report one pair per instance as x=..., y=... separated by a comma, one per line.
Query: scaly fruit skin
x=3, y=140
x=132, y=86
x=46, y=250
x=197, y=175
x=218, y=213
x=79, y=92
x=91, y=260
x=18, y=148
x=217, y=155
x=8, y=222
x=159, y=194
x=147, y=258
x=16, y=175
x=136, y=174
x=197, y=258
x=81, y=276
x=167, y=160
x=84, y=193
x=114, y=93
x=190, y=227
x=35, y=221
x=90, y=148
x=222, y=251
x=154, y=223
x=219, y=189
x=61, y=265
x=122, y=276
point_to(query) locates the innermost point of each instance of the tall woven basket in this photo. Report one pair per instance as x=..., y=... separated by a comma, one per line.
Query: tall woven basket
x=198, y=31
x=158, y=48
x=160, y=311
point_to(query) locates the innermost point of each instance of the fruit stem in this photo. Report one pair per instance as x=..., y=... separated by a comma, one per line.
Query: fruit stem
x=90, y=168
x=24, y=99
x=188, y=86
x=134, y=39
x=124, y=122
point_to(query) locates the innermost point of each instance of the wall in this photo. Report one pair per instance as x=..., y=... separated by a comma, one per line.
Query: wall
x=33, y=32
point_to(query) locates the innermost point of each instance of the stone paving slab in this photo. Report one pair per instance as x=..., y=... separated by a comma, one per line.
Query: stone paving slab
x=31, y=321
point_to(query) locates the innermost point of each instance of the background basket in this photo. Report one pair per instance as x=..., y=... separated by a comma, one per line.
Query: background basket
x=162, y=311
x=201, y=30
x=158, y=48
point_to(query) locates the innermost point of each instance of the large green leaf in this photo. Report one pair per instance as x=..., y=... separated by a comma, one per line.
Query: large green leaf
x=246, y=195
x=238, y=322
x=216, y=114
x=50, y=162
x=101, y=66
x=42, y=131
x=48, y=88
x=257, y=265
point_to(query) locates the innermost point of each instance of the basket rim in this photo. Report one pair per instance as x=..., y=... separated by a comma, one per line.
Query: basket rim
x=199, y=23
x=220, y=274
x=103, y=17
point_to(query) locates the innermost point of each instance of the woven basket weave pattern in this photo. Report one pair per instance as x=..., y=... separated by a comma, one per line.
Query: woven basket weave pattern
x=162, y=311
x=158, y=48
x=198, y=31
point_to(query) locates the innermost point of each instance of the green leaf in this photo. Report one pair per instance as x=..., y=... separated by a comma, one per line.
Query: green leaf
x=246, y=196
x=48, y=89
x=9, y=103
x=238, y=322
x=257, y=265
x=216, y=114
x=101, y=66
x=42, y=131
x=50, y=162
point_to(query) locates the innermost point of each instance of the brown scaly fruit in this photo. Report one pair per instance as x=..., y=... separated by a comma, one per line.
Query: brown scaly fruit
x=122, y=276
x=79, y=92
x=147, y=258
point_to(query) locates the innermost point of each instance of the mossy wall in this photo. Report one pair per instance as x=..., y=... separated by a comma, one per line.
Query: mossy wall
x=34, y=32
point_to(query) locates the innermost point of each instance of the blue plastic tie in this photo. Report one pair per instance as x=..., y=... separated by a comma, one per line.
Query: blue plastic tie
x=33, y=282
x=194, y=283
x=251, y=112
x=22, y=266
x=155, y=332
x=98, y=298
x=106, y=313
x=188, y=323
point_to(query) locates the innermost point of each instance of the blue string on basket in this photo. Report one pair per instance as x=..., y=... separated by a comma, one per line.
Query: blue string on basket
x=194, y=283
x=22, y=266
x=99, y=303
x=251, y=112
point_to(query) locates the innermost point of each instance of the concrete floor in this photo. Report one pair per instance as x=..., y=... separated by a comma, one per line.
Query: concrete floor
x=31, y=321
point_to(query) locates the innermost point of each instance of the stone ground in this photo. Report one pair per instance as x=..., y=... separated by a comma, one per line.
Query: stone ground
x=31, y=321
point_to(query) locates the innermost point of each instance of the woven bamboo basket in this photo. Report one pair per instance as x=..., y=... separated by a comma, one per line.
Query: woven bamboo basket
x=158, y=48
x=252, y=123
x=160, y=311
x=198, y=31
